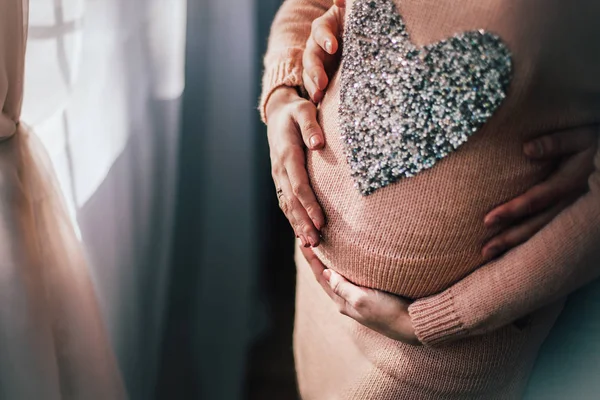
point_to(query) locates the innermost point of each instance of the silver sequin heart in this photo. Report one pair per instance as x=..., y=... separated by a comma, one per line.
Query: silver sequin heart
x=404, y=107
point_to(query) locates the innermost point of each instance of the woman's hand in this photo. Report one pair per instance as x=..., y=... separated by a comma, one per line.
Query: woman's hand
x=292, y=125
x=379, y=311
x=322, y=53
x=524, y=216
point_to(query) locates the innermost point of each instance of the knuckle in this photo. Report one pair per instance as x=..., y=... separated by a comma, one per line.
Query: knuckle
x=305, y=109
x=299, y=189
x=309, y=127
x=314, y=26
x=276, y=169
x=311, y=208
x=300, y=225
x=284, y=207
x=306, y=228
x=296, y=189
x=337, y=289
x=359, y=303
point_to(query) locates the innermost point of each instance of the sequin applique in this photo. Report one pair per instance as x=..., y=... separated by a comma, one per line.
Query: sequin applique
x=404, y=107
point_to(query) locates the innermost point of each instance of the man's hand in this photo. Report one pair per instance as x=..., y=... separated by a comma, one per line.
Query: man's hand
x=524, y=216
x=292, y=125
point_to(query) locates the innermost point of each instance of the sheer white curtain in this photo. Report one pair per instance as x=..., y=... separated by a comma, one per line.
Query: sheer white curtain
x=78, y=76
x=102, y=89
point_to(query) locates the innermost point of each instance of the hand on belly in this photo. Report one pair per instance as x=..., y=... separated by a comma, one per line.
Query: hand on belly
x=382, y=312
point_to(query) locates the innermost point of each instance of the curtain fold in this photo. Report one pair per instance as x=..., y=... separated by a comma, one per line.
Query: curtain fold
x=53, y=343
x=102, y=86
x=215, y=312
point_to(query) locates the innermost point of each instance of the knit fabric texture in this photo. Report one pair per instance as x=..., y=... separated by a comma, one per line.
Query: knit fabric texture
x=421, y=237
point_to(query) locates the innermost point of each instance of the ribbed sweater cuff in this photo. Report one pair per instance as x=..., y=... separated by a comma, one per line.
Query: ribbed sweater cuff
x=282, y=70
x=435, y=319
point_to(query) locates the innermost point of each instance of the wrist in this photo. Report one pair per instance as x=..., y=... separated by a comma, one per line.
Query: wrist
x=410, y=331
x=405, y=328
x=279, y=97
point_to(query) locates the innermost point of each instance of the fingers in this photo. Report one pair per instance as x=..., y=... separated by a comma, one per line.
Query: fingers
x=325, y=30
x=559, y=144
x=536, y=199
x=312, y=134
x=303, y=225
x=355, y=298
x=295, y=166
x=521, y=233
x=291, y=206
x=340, y=3
x=571, y=177
x=288, y=162
x=317, y=268
x=319, y=271
x=316, y=95
x=315, y=264
x=314, y=75
x=302, y=190
x=287, y=206
x=280, y=177
x=320, y=47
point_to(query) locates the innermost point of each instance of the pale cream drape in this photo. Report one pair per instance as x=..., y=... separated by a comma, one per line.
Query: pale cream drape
x=52, y=340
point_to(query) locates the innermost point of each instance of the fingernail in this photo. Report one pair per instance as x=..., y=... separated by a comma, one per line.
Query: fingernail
x=318, y=96
x=317, y=225
x=328, y=46
x=491, y=221
x=303, y=240
x=315, y=141
x=534, y=149
x=327, y=275
x=314, y=240
x=495, y=251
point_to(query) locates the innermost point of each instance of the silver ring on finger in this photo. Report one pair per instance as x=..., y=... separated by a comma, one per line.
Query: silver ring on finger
x=281, y=200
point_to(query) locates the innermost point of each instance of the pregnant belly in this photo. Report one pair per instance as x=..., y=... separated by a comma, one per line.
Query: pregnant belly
x=421, y=234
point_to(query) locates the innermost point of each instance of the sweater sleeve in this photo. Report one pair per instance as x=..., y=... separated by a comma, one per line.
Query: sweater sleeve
x=561, y=258
x=289, y=32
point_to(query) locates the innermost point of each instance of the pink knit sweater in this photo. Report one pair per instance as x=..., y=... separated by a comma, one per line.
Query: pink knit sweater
x=421, y=237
